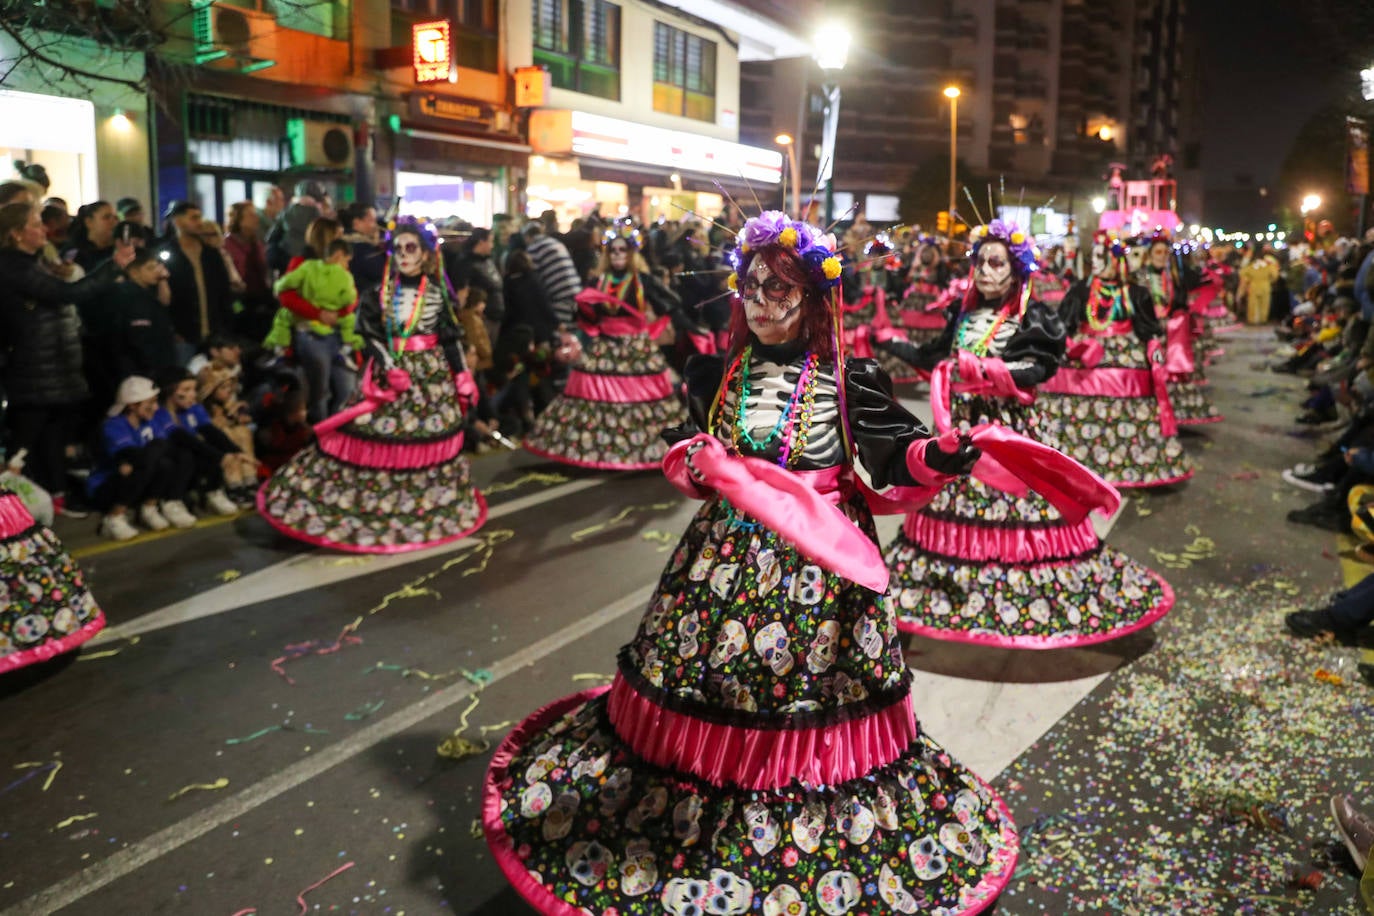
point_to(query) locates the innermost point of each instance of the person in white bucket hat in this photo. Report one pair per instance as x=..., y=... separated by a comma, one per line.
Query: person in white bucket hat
x=137, y=468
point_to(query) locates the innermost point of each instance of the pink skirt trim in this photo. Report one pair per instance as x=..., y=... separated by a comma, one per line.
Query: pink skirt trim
x=539, y=897
x=924, y=320
x=756, y=758
x=53, y=647
x=1142, y=484
x=375, y=548
x=14, y=515
x=1166, y=604
x=373, y=453
x=619, y=389
x=1200, y=421
x=1228, y=328
x=597, y=465
x=1007, y=545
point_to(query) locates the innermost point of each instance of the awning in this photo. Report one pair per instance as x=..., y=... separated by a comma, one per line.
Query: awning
x=436, y=146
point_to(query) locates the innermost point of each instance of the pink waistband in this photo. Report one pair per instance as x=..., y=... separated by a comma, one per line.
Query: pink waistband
x=925, y=320
x=756, y=758
x=416, y=342
x=14, y=516
x=1102, y=382
x=1115, y=329
x=619, y=389
x=381, y=453
x=1020, y=544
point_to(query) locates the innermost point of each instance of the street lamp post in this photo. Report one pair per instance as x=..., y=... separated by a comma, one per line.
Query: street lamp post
x=787, y=141
x=832, y=53
x=952, y=93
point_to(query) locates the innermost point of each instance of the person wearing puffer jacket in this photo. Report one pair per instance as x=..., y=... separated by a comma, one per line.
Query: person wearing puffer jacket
x=41, y=333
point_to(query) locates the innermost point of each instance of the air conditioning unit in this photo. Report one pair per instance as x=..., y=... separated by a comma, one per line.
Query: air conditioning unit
x=231, y=32
x=320, y=144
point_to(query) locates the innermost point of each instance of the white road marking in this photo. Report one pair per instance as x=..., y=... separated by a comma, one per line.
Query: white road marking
x=310, y=570
x=169, y=839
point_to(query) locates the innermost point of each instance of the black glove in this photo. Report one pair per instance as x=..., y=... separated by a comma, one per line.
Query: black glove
x=958, y=462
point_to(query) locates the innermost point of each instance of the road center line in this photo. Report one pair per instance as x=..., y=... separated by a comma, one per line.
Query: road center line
x=311, y=570
x=169, y=839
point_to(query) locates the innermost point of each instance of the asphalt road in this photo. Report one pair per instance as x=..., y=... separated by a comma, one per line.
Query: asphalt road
x=262, y=715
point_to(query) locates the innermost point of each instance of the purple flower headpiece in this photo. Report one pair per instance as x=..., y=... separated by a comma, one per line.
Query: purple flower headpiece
x=1025, y=256
x=812, y=247
x=428, y=233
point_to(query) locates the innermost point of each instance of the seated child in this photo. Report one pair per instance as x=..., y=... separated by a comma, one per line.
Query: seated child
x=218, y=391
x=326, y=284
x=284, y=430
x=186, y=425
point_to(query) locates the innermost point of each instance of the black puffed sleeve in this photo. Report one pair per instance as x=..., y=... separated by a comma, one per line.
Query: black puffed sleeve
x=661, y=299
x=1040, y=340
x=882, y=428
x=1073, y=308
x=927, y=355
x=369, y=325
x=1143, y=314
x=702, y=375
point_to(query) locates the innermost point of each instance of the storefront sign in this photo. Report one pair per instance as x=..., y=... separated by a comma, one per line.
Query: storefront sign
x=531, y=87
x=433, y=52
x=582, y=134
x=451, y=109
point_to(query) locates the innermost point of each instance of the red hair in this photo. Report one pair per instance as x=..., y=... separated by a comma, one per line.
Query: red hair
x=1012, y=301
x=816, y=329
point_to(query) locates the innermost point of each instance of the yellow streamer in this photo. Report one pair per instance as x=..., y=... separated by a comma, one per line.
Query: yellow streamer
x=229, y=575
x=63, y=825
x=619, y=517
x=221, y=783
x=547, y=480
x=55, y=764
x=455, y=746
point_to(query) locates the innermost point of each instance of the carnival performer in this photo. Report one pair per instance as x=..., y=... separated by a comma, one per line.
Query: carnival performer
x=45, y=609
x=1185, y=351
x=621, y=391
x=925, y=303
x=1108, y=405
x=868, y=310
x=757, y=749
x=1211, y=296
x=387, y=473
x=980, y=564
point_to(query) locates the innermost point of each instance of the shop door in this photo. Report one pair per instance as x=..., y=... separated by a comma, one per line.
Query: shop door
x=215, y=192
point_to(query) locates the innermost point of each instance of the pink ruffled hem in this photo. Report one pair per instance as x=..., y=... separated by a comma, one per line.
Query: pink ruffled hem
x=596, y=465
x=396, y=455
x=14, y=515
x=1228, y=328
x=1166, y=604
x=539, y=897
x=619, y=389
x=1181, y=421
x=1010, y=545
x=755, y=758
x=317, y=541
x=53, y=647
x=1143, y=484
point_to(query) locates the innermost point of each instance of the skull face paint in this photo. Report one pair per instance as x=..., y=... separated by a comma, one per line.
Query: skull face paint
x=772, y=307
x=410, y=253
x=619, y=252
x=992, y=273
x=1104, y=265
x=1159, y=255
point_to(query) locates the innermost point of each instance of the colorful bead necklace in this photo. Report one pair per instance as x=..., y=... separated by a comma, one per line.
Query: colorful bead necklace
x=793, y=426
x=980, y=346
x=395, y=326
x=1112, y=295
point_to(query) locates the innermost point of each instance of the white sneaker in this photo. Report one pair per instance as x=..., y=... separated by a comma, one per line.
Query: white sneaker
x=175, y=511
x=151, y=518
x=1291, y=477
x=117, y=528
x=219, y=502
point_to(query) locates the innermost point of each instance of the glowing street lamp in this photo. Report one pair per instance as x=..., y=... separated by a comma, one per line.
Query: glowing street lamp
x=952, y=93
x=832, y=53
x=1311, y=203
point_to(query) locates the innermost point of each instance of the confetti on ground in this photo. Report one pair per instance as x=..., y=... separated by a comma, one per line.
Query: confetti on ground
x=365, y=710
x=221, y=783
x=621, y=516
x=35, y=768
x=64, y=824
x=664, y=539
x=229, y=575
x=534, y=477
x=253, y=737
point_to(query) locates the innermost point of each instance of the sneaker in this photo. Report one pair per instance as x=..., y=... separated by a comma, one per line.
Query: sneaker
x=117, y=528
x=1319, y=417
x=218, y=502
x=1308, y=481
x=1311, y=624
x=175, y=511
x=1356, y=829
x=1302, y=469
x=151, y=518
x=1324, y=516
x=60, y=507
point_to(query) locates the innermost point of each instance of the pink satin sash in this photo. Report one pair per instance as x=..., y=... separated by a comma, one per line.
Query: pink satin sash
x=1086, y=350
x=618, y=389
x=373, y=396
x=615, y=325
x=1111, y=382
x=416, y=342
x=1178, y=358
x=14, y=516
x=987, y=376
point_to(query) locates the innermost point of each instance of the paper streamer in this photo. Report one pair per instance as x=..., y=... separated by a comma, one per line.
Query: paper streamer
x=221, y=783
x=62, y=825
x=300, y=898
x=36, y=768
x=619, y=517
x=546, y=480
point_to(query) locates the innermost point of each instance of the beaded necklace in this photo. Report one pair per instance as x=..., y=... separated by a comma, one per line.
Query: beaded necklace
x=980, y=346
x=617, y=288
x=1112, y=295
x=395, y=327
x=1162, y=288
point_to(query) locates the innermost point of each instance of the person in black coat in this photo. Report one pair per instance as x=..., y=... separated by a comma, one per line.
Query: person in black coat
x=526, y=301
x=139, y=331
x=202, y=302
x=92, y=234
x=40, y=331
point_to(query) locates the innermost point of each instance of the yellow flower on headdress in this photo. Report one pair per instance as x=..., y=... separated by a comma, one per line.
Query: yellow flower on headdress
x=832, y=268
x=744, y=247
x=787, y=238
x=732, y=282
x=979, y=231
x=1018, y=238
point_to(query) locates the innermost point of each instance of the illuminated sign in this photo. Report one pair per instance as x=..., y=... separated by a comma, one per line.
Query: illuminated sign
x=594, y=136
x=531, y=87
x=433, y=52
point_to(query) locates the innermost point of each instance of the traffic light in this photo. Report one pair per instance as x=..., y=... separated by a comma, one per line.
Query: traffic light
x=942, y=222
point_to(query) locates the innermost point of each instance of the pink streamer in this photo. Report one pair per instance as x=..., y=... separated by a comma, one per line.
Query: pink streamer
x=300, y=898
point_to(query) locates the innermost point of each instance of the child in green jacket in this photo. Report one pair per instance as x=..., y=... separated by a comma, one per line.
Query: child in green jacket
x=326, y=284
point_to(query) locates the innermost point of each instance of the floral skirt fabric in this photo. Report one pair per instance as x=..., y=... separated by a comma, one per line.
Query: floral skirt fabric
x=1050, y=598
x=45, y=608
x=1118, y=437
x=1191, y=404
x=742, y=629
x=354, y=505
x=609, y=435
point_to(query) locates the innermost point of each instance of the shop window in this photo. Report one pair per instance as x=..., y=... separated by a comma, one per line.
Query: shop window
x=579, y=42
x=684, y=74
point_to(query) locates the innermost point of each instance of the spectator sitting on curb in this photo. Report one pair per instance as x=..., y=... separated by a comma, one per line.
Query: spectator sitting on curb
x=218, y=390
x=285, y=430
x=186, y=426
x=137, y=468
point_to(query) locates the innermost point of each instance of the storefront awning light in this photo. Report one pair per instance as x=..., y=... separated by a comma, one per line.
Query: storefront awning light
x=599, y=137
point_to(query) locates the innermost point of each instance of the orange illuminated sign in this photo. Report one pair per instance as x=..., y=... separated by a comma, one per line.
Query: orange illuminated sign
x=433, y=52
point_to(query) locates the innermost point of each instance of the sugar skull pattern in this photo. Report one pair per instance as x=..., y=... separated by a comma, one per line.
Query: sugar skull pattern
x=608, y=434
x=921, y=835
x=426, y=412
x=45, y=607
x=1119, y=438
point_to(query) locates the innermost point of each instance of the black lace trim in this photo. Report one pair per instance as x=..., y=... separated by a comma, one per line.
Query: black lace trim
x=764, y=721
